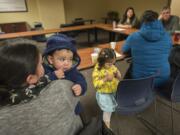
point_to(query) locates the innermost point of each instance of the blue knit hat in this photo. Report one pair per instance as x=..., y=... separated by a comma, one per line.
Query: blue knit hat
x=60, y=41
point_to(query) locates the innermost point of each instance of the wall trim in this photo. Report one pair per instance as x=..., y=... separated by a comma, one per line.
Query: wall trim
x=169, y=3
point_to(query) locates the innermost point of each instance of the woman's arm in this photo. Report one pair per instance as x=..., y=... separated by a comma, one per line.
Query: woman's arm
x=124, y=26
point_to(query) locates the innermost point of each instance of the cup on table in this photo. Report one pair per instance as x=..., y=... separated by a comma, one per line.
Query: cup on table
x=94, y=57
x=177, y=36
x=114, y=24
x=113, y=45
x=97, y=50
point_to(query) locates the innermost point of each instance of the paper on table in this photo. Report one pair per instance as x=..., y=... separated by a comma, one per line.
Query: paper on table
x=177, y=31
x=118, y=29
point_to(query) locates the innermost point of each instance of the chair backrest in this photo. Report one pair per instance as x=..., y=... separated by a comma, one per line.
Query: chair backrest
x=134, y=95
x=175, y=95
x=78, y=21
x=38, y=26
x=66, y=25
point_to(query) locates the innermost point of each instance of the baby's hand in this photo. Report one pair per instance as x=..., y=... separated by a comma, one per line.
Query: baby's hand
x=59, y=73
x=117, y=75
x=77, y=89
x=108, y=77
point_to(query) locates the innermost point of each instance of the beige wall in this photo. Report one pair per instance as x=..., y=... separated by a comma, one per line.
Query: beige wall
x=49, y=12
x=31, y=16
x=87, y=9
x=139, y=5
x=96, y=9
x=175, y=7
x=52, y=13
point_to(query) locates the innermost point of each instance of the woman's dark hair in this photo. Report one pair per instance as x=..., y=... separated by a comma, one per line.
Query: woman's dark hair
x=18, y=59
x=106, y=55
x=125, y=15
x=149, y=16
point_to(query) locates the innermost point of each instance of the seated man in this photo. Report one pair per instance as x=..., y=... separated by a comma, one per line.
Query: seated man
x=170, y=22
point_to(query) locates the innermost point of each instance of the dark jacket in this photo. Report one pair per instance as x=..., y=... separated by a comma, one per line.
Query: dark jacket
x=174, y=60
x=73, y=75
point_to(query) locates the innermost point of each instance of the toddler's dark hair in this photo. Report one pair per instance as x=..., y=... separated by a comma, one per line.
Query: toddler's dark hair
x=105, y=55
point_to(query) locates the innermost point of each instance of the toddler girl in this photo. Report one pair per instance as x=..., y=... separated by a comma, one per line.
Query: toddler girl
x=105, y=79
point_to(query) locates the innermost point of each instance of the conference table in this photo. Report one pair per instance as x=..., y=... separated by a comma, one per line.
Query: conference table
x=109, y=27
x=106, y=27
x=95, y=27
x=85, y=54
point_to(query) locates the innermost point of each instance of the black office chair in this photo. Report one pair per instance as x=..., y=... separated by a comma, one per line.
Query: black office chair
x=75, y=33
x=39, y=38
x=75, y=22
x=72, y=34
x=171, y=94
x=134, y=96
x=78, y=21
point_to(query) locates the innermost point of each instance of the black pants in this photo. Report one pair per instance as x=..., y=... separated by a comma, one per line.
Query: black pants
x=95, y=127
x=128, y=72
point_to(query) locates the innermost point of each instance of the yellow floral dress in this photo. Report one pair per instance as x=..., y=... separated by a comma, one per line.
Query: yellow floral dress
x=106, y=91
